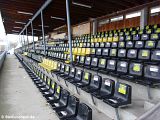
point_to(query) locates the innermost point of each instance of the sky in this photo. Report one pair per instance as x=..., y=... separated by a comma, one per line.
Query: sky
x=10, y=38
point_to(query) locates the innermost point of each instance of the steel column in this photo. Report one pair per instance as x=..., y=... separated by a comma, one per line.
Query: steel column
x=33, y=35
x=43, y=37
x=69, y=29
x=27, y=38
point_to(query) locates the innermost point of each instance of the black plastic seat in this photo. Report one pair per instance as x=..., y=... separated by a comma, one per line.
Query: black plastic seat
x=71, y=74
x=144, y=54
x=47, y=86
x=122, y=53
x=94, y=85
x=66, y=72
x=85, y=80
x=84, y=113
x=152, y=73
x=136, y=69
x=150, y=44
x=122, y=67
x=132, y=54
x=58, y=68
x=51, y=91
x=155, y=55
x=63, y=101
x=56, y=95
x=78, y=77
x=87, y=62
x=94, y=63
x=71, y=109
x=106, y=90
x=139, y=44
x=61, y=71
x=121, y=97
x=102, y=65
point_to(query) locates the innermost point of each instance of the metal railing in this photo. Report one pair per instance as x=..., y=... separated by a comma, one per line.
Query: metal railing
x=2, y=58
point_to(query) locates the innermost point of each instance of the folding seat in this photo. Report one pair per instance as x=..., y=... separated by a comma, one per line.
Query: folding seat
x=150, y=44
x=102, y=65
x=152, y=73
x=106, y=90
x=155, y=55
x=81, y=61
x=47, y=86
x=94, y=85
x=63, y=101
x=87, y=62
x=85, y=80
x=44, y=82
x=107, y=45
x=113, y=53
x=121, y=44
x=69, y=111
x=128, y=37
x=145, y=37
x=136, y=37
x=129, y=44
x=77, y=78
x=71, y=74
x=136, y=69
x=122, y=67
x=121, y=97
x=102, y=44
x=122, y=53
x=58, y=68
x=97, y=45
x=144, y=54
x=56, y=95
x=93, y=52
x=92, y=45
x=88, y=44
x=66, y=71
x=114, y=45
x=158, y=44
x=149, y=31
x=139, y=44
x=98, y=52
x=105, y=52
x=94, y=63
x=111, y=66
x=84, y=113
x=39, y=81
x=154, y=37
x=51, y=91
x=121, y=38
x=132, y=54
x=61, y=71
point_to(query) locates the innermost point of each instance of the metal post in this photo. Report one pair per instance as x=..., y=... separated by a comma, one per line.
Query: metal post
x=33, y=36
x=27, y=39
x=69, y=30
x=20, y=37
x=24, y=42
x=143, y=18
x=43, y=33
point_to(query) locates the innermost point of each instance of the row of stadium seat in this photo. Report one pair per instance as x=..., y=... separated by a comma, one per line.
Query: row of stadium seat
x=105, y=89
x=66, y=106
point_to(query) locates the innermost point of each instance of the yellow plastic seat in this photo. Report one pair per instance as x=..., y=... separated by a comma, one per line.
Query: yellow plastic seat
x=115, y=39
x=83, y=52
x=110, y=39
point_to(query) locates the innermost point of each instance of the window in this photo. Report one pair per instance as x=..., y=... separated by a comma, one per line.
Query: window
x=155, y=9
x=131, y=15
x=116, y=18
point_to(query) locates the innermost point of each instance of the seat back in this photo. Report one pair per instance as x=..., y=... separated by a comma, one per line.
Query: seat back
x=88, y=61
x=102, y=63
x=84, y=112
x=152, y=72
x=64, y=96
x=53, y=86
x=136, y=69
x=108, y=86
x=82, y=59
x=58, y=91
x=73, y=103
x=62, y=68
x=122, y=67
x=72, y=72
x=96, y=81
x=67, y=70
x=123, y=92
x=59, y=66
x=79, y=74
x=86, y=77
x=111, y=65
x=94, y=62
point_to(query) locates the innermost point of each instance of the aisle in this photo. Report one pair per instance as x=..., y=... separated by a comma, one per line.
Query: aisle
x=19, y=96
